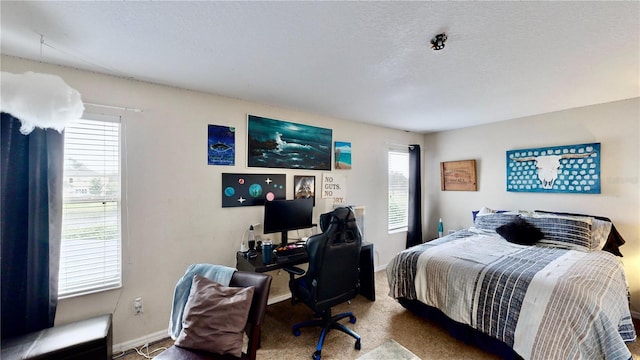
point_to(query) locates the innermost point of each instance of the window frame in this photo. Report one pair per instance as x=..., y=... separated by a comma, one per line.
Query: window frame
x=108, y=274
x=392, y=186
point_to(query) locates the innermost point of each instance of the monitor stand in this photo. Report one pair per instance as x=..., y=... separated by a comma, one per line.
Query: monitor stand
x=284, y=239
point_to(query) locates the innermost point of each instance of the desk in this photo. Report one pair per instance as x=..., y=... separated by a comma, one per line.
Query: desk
x=367, y=278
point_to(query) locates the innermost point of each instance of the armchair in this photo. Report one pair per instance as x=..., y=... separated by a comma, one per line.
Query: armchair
x=332, y=277
x=262, y=285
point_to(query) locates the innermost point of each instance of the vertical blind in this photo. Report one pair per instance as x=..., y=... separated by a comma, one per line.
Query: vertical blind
x=90, y=259
x=398, y=190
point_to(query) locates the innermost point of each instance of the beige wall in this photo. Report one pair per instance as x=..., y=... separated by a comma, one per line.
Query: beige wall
x=173, y=204
x=615, y=125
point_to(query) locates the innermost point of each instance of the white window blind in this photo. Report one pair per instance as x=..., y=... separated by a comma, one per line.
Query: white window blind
x=398, y=190
x=90, y=259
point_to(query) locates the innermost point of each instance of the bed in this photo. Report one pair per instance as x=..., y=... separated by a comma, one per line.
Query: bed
x=531, y=285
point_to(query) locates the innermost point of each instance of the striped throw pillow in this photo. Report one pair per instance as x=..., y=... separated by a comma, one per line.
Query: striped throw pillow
x=564, y=231
x=491, y=221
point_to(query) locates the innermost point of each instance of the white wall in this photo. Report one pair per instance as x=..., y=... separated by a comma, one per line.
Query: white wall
x=173, y=204
x=615, y=125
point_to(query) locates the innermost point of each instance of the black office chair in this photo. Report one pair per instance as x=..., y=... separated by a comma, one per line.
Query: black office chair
x=332, y=276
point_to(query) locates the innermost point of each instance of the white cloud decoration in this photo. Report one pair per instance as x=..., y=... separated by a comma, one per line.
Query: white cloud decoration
x=39, y=100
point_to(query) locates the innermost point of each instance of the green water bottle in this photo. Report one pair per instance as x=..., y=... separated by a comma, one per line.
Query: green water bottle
x=440, y=228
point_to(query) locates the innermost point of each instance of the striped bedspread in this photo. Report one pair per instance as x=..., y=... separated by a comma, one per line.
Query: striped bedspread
x=544, y=302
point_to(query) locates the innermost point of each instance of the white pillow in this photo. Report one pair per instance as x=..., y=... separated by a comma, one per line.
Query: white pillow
x=600, y=230
x=485, y=210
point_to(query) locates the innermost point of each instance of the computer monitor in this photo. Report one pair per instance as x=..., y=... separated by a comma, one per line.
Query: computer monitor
x=284, y=215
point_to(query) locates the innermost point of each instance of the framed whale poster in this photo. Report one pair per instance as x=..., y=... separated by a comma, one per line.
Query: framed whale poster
x=557, y=169
x=221, y=145
x=281, y=144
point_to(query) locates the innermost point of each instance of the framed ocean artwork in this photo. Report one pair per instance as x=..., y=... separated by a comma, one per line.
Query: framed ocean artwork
x=557, y=169
x=221, y=143
x=342, y=155
x=252, y=189
x=281, y=144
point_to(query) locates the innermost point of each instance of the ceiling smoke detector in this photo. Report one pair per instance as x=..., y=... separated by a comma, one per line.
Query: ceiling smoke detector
x=437, y=43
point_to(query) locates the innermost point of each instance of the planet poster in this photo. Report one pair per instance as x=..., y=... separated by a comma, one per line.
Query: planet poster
x=281, y=144
x=252, y=189
x=221, y=149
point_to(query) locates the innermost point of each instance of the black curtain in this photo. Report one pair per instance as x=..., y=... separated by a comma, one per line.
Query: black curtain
x=414, y=231
x=31, y=211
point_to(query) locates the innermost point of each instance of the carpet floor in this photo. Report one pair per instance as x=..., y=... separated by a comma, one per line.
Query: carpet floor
x=377, y=323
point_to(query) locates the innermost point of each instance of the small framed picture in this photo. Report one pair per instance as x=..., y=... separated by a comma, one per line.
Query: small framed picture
x=304, y=187
x=342, y=155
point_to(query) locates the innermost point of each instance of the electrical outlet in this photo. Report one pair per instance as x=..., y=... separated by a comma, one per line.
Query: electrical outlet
x=137, y=306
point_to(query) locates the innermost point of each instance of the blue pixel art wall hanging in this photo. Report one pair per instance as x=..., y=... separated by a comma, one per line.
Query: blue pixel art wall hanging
x=556, y=169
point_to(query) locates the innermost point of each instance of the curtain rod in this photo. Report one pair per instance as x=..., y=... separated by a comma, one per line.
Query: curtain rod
x=399, y=145
x=114, y=107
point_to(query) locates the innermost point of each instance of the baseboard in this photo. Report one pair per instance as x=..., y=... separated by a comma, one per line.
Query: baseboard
x=136, y=343
x=278, y=298
x=380, y=267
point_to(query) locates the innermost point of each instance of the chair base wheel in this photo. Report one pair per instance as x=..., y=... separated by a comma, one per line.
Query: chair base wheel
x=352, y=319
x=316, y=355
x=296, y=332
x=358, y=345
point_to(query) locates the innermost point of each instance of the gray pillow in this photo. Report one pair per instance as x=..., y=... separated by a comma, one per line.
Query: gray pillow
x=215, y=317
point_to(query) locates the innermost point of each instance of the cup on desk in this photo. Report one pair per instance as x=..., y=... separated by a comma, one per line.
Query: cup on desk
x=267, y=252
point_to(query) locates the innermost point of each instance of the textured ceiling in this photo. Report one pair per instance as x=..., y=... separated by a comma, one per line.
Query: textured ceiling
x=362, y=61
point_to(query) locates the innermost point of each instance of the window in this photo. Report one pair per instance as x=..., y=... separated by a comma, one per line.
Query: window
x=398, y=190
x=90, y=259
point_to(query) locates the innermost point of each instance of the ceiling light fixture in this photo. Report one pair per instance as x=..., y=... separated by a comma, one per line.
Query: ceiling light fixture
x=437, y=43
